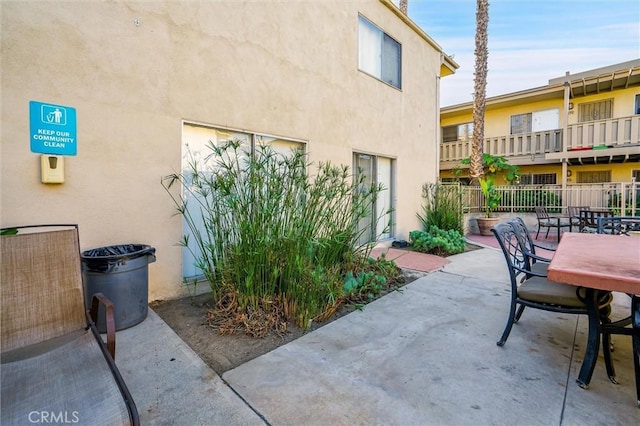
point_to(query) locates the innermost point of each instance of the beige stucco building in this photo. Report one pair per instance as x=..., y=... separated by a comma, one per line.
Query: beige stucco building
x=351, y=82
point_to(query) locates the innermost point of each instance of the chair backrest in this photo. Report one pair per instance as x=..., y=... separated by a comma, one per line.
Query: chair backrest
x=589, y=218
x=522, y=233
x=541, y=212
x=618, y=224
x=574, y=211
x=517, y=261
x=41, y=287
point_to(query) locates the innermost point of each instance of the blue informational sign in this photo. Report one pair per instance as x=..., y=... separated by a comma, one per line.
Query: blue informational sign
x=53, y=129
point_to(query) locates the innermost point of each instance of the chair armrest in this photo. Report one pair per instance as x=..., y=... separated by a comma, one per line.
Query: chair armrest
x=92, y=315
x=544, y=247
x=538, y=258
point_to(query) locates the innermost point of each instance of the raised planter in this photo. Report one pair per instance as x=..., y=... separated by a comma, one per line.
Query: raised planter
x=485, y=224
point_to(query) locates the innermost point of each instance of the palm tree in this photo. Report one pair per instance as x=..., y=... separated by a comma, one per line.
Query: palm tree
x=403, y=6
x=480, y=91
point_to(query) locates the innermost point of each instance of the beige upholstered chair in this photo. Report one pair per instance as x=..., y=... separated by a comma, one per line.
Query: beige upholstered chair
x=53, y=358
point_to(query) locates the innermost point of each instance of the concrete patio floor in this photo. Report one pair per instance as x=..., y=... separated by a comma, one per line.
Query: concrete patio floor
x=425, y=355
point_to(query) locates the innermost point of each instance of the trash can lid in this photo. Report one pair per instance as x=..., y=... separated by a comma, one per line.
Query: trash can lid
x=121, y=251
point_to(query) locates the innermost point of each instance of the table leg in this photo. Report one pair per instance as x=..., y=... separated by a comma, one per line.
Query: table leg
x=593, y=340
x=635, y=324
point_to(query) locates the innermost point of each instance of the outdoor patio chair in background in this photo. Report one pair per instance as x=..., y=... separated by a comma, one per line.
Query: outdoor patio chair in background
x=547, y=221
x=53, y=358
x=616, y=225
x=531, y=289
x=574, y=215
x=589, y=220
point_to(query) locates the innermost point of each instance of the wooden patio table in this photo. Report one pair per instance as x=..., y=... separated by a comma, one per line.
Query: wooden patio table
x=600, y=262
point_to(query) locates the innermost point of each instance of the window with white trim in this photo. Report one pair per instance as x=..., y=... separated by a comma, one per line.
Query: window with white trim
x=196, y=147
x=379, y=55
x=637, y=106
x=458, y=132
x=594, y=177
x=538, y=179
x=376, y=170
x=592, y=111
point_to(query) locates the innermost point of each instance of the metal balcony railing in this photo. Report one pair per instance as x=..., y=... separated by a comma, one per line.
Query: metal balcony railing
x=623, y=198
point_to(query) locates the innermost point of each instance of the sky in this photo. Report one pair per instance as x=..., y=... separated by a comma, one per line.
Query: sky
x=530, y=41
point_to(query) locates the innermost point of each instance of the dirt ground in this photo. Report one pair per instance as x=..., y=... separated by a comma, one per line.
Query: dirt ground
x=187, y=317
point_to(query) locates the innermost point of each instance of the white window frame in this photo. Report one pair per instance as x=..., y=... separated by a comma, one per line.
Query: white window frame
x=195, y=139
x=382, y=212
x=464, y=132
x=379, y=54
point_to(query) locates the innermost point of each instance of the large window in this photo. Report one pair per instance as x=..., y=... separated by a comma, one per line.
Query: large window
x=600, y=110
x=538, y=179
x=636, y=109
x=521, y=123
x=459, y=132
x=378, y=54
x=376, y=170
x=537, y=121
x=594, y=177
x=196, y=140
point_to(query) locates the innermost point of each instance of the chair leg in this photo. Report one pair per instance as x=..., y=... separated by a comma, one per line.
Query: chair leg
x=636, y=363
x=608, y=361
x=537, y=232
x=548, y=229
x=519, y=314
x=507, y=329
x=635, y=341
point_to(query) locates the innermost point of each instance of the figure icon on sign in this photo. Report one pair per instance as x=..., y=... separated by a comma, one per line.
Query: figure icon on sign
x=55, y=116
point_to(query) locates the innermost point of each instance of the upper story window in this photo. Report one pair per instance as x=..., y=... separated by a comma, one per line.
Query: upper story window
x=520, y=123
x=378, y=54
x=600, y=110
x=636, y=109
x=458, y=132
x=537, y=121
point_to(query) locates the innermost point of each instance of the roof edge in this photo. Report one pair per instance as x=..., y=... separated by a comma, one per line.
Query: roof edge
x=446, y=61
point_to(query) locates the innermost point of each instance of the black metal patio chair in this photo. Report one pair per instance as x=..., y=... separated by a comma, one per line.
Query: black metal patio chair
x=539, y=264
x=533, y=289
x=547, y=221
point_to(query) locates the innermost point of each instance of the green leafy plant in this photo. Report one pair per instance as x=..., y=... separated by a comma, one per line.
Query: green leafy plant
x=490, y=195
x=442, y=207
x=493, y=166
x=273, y=237
x=437, y=241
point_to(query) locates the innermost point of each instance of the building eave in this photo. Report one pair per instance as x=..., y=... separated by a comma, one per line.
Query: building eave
x=447, y=65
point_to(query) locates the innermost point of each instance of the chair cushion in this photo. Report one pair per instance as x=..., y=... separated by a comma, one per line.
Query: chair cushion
x=541, y=290
x=540, y=268
x=73, y=379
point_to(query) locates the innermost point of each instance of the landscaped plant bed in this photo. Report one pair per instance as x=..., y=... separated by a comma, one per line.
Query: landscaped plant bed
x=189, y=318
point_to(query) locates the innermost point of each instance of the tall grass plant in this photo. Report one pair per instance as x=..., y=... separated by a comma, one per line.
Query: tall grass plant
x=271, y=232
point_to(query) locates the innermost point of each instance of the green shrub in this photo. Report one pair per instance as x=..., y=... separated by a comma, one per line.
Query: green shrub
x=271, y=232
x=442, y=206
x=437, y=241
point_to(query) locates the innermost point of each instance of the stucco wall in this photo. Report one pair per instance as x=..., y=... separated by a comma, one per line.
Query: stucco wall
x=135, y=70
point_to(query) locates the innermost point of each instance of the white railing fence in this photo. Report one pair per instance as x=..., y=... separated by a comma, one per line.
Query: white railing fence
x=623, y=198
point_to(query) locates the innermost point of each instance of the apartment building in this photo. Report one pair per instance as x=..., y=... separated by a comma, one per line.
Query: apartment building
x=579, y=129
x=131, y=84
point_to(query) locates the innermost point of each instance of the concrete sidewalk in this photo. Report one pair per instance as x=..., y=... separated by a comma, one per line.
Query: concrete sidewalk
x=425, y=355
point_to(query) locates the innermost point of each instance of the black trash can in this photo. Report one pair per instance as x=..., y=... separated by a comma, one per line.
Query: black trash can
x=121, y=273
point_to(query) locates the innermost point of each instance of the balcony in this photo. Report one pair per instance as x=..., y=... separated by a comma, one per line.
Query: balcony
x=601, y=141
